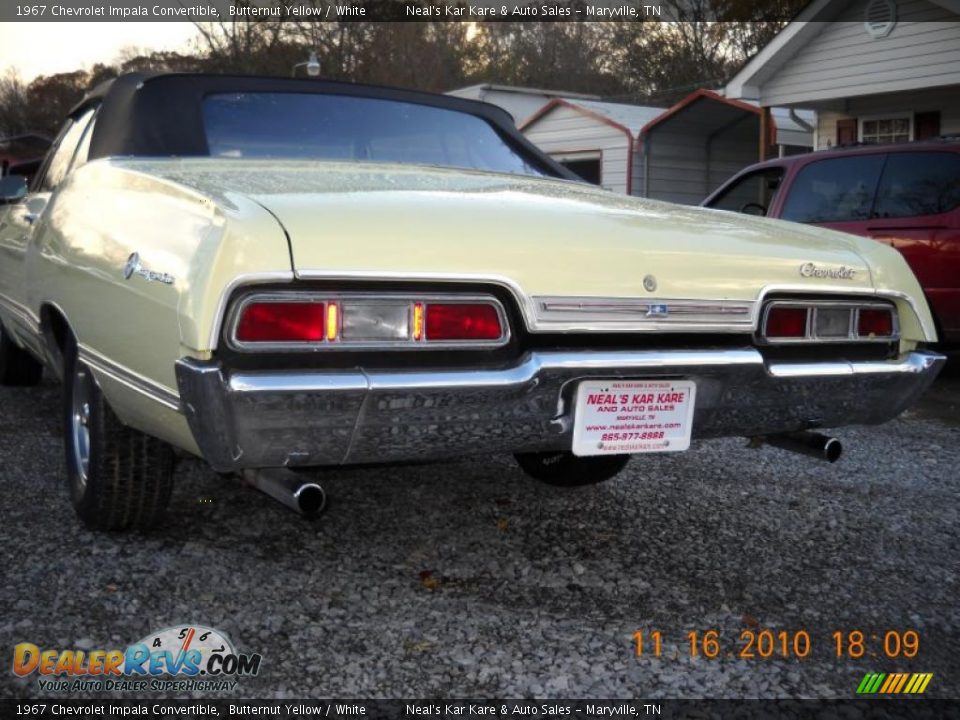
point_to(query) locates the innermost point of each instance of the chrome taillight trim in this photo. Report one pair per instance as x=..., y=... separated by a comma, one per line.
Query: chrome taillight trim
x=288, y=296
x=810, y=336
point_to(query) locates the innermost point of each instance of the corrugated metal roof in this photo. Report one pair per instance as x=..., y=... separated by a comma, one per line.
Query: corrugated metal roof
x=632, y=117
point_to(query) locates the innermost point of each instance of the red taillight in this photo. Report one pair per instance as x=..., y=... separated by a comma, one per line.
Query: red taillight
x=824, y=321
x=282, y=322
x=875, y=322
x=462, y=321
x=786, y=322
x=366, y=321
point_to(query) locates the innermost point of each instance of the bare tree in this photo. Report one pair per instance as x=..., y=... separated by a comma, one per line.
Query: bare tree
x=559, y=56
x=245, y=46
x=703, y=46
x=13, y=105
x=133, y=59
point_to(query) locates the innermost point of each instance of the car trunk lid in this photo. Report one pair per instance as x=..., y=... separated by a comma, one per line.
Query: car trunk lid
x=549, y=238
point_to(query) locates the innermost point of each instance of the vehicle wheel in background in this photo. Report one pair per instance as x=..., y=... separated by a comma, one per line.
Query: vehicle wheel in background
x=17, y=366
x=118, y=477
x=564, y=469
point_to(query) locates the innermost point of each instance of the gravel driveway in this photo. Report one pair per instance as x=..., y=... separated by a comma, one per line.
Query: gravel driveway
x=466, y=579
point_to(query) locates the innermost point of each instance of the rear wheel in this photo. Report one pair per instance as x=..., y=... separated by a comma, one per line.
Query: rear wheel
x=564, y=469
x=17, y=366
x=118, y=477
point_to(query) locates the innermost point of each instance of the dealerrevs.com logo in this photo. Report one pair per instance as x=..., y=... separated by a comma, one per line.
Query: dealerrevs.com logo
x=184, y=658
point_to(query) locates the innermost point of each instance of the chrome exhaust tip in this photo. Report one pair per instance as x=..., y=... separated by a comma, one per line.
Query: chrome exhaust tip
x=303, y=496
x=311, y=499
x=808, y=443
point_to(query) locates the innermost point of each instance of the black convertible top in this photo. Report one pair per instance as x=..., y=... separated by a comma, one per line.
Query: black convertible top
x=160, y=115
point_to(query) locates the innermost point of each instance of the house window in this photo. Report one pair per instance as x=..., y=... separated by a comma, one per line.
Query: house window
x=886, y=130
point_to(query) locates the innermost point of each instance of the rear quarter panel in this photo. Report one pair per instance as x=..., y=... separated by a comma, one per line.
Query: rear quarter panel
x=96, y=220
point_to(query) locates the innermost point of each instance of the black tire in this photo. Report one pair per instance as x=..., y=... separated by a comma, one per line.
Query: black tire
x=17, y=366
x=127, y=478
x=564, y=469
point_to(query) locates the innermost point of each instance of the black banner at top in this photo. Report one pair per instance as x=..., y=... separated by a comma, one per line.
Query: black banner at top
x=400, y=10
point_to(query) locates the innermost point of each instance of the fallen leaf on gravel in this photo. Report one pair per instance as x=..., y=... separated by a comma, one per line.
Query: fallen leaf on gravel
x=111, y=588
x=428, y=580
x=502, y=523
x=421, y=646
x=750, y=621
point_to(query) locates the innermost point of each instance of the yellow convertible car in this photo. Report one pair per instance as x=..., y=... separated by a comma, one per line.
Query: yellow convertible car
x=274, y=274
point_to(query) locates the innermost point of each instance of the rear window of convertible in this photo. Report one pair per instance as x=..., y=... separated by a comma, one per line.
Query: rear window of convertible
x=309, y=126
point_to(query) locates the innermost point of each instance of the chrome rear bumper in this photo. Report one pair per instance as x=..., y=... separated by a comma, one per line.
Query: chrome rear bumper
x=294, y=418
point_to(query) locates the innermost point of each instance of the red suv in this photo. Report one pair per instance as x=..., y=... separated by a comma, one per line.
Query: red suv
x=907, y=196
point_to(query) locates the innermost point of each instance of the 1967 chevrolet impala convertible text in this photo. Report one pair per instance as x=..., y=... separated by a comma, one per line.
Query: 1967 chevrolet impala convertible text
x=275, y=274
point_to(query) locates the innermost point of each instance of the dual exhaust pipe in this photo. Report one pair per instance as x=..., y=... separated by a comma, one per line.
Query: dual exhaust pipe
x=292, y=489
x=807, y=443
x=309, y=499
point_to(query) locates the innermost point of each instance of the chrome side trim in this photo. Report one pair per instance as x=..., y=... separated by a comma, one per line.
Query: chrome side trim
x=21, y=313
x=127, y=377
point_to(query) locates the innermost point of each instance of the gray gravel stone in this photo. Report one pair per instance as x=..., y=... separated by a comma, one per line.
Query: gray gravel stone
x=720, y=538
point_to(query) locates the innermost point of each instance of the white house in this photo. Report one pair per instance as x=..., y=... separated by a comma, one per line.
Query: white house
x=873, y=70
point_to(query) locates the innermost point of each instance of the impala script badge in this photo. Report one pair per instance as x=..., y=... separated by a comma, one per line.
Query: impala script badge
x=810, y=270
x=133, y=267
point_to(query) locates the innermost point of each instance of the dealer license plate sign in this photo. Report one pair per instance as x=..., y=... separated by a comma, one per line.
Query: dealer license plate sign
x=633, y=416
